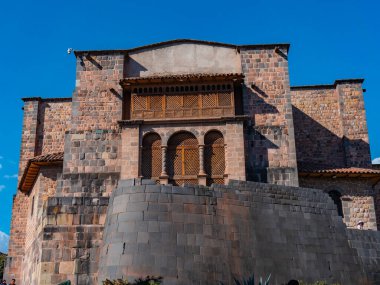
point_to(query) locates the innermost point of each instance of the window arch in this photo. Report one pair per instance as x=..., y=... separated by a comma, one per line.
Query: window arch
x=183, y=158
x=214, y=157
x=151, y=157
x=336, y=197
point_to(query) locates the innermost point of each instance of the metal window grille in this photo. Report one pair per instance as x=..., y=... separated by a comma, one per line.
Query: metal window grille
x=151, y=156
x=214, y=157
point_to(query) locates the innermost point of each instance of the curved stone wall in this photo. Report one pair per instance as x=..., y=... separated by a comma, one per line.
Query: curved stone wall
x=199, y=235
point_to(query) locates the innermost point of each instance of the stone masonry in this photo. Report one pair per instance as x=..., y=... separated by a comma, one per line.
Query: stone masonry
x=97, y=195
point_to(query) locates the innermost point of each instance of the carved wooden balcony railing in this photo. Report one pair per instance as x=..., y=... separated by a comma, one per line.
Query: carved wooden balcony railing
x=194, y=101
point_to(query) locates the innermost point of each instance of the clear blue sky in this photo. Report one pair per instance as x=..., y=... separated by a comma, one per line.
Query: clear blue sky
x=329, y=39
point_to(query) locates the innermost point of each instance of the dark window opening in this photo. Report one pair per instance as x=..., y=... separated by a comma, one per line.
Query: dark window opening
x=336, y=196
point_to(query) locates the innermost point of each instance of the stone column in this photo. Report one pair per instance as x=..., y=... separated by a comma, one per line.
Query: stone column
x=202, y=174
x=164, y=178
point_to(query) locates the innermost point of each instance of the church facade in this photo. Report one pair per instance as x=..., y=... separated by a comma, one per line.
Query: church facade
x=185, y=113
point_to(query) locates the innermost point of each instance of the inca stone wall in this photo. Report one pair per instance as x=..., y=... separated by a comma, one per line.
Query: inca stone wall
x=270, y=146
x=94, y=151
x=199, y=235
x=193, y=235
x=71, y=239
x=330, y=124
x=367, y=244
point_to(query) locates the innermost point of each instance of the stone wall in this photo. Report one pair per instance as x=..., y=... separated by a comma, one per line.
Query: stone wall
x=270, y=145
x=232, y=131
x=44, y=187
x=97, y=100
x=358, y=197
x=200, y=235
x=367, y=244
x=318, y=126
x=71, y=238
x=54, y=120
x=94, y=151
x=330, y=124
x=16, y=248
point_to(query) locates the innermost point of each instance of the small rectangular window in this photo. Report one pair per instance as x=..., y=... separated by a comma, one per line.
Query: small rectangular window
x=32, y=210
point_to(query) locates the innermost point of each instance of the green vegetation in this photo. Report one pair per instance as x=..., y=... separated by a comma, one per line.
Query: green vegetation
x=3, y=258
x=250, y=281
x=149, y=280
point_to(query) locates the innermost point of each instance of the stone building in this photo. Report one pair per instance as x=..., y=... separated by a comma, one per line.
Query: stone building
x=196, y=161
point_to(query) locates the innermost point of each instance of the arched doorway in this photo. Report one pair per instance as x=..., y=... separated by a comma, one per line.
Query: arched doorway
x=151, y=157
x=183, y=159
x=336, y=197
x=214, y=157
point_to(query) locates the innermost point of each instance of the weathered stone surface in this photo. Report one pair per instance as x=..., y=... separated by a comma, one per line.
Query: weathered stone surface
x=194, y=233
x=289, y=232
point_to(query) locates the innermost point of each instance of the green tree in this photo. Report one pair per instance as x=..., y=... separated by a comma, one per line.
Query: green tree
x=3, y=257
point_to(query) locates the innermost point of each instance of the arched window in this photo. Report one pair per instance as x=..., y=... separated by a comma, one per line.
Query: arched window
x=183, y=158
x=214, y=157
x=336, y=196
x=151, y=157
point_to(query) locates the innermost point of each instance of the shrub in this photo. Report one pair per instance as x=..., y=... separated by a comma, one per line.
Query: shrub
x=149, y=280
x=250, y=281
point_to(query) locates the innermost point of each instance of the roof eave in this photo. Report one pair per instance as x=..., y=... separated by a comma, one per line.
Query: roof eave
x=177, y=41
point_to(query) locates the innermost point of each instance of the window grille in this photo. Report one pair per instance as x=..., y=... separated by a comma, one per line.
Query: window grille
x=139, y=102
x=214, y=157
x=182, y=101
x=151, y=156
x=183, y=158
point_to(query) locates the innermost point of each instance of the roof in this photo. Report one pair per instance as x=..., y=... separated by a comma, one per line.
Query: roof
x=306, y=169
x=181, y=77
x=56, y=99
x=329, y=86
x=33, y=167
x=180, y=41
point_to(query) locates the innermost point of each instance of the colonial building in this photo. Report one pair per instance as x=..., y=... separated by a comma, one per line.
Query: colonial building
x=184, y=112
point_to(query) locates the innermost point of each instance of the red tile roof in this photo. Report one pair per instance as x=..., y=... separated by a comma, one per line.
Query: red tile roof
x=305, y=168
x=50, y=157
x=33, y=167
x=159, y=78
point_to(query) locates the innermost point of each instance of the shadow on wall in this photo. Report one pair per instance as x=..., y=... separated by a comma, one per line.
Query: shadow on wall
x=256, y=101
x=40, y=127
x=132, y=68
x=259, y=139
x=318, y=146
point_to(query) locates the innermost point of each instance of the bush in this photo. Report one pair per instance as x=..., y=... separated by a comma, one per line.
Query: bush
x=250, y=281
x=149, y=280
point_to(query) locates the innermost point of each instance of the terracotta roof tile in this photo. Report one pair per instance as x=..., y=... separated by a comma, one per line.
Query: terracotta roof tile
x=50, y=157
x=323, y=169
x=33, y=167
x=157, y=78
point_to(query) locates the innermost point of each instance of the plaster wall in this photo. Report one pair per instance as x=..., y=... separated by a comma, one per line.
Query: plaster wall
x=183, y=58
